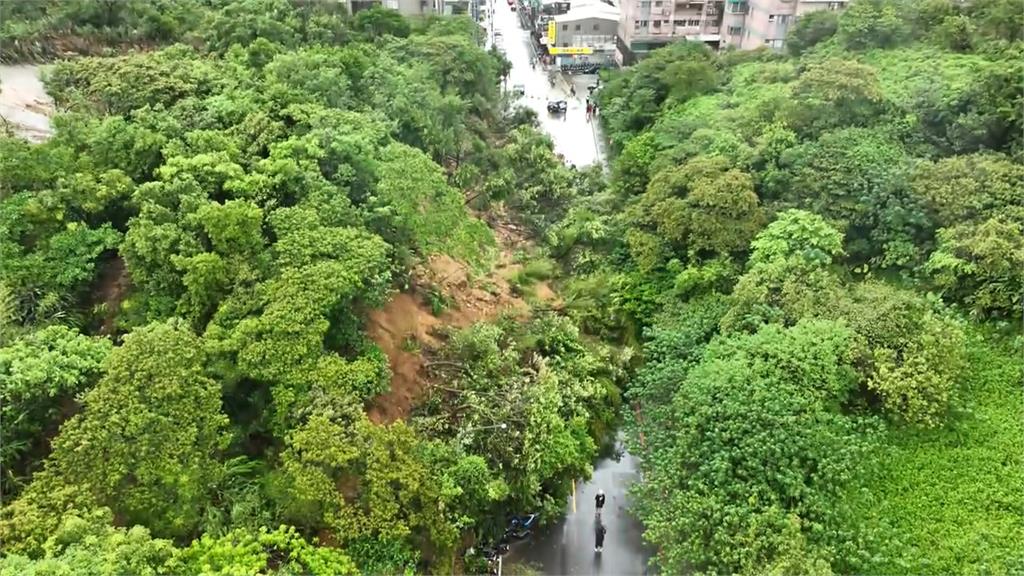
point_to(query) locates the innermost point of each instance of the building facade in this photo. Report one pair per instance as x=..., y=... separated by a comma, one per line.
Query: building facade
x=422, y=7
x=584, y=34
x=749, y=24
x=745, y=24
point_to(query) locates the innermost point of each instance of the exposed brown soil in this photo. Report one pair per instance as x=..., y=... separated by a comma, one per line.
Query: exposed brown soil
x=391, y=327
x=407, y=331
x=113, y=285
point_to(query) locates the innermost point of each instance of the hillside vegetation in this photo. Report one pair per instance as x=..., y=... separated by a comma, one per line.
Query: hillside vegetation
x=821, y=254
x=799, y=286
x=187, y=268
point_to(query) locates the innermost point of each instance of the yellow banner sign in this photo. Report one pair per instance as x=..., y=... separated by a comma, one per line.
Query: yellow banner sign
x=573, y=50
x=551, y=33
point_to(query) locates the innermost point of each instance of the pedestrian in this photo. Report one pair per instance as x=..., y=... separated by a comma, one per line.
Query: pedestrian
x=599, y=500
x=595, y=109
x=589, y=109
x=599, y=533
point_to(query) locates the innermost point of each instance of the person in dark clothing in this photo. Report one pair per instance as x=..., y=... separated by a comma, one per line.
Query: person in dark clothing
x=599, y=501
x=599, y=532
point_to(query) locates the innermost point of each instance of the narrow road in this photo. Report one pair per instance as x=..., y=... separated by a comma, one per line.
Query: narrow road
x=575, y=138
x=567, y=547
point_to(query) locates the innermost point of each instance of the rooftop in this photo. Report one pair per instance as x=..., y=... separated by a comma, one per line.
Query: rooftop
x=584, y=9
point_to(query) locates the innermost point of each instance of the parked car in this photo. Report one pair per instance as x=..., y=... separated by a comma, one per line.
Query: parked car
x=557, y=106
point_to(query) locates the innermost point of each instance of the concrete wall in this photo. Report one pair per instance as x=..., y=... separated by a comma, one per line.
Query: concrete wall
x=410, y=7
x=585, y=32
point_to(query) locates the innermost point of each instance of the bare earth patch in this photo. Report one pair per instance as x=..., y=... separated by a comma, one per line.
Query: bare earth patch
x=111, y=290
x=407, y=330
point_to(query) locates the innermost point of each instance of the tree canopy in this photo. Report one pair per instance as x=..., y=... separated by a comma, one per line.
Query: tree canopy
x=296, y=291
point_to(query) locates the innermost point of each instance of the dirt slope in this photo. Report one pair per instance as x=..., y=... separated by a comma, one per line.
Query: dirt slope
x=406, y=329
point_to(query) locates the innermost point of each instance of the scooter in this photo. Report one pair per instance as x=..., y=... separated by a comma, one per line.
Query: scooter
x=521, y=527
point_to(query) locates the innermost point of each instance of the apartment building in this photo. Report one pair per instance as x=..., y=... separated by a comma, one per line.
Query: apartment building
x=646, y=25
x=745, y=24
x=749, y=24
x=421, y=7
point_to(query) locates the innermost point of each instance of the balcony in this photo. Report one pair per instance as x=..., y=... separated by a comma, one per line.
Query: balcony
x=736, y=7
x=696, y=31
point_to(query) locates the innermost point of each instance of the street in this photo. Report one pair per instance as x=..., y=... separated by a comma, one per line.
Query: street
x=575, y=138
x=567, y=546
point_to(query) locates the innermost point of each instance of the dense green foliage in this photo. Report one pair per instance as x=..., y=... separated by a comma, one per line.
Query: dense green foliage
x=805, y=272
x=803, y=242
x=187, y=269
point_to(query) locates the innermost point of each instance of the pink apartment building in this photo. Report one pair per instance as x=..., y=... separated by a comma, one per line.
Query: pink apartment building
x=746, y=24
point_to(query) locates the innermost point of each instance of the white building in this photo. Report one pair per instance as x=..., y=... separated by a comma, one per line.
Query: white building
x=586, y=33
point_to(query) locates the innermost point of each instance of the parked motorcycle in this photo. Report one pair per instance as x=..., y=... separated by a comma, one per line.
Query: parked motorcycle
x=492, y=552
x=521, y=527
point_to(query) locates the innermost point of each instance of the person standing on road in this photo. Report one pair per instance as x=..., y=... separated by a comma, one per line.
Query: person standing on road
x=599, y=532
x=599, y=501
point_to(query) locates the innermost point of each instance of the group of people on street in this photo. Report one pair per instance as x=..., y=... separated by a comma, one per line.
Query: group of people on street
x=591, y=109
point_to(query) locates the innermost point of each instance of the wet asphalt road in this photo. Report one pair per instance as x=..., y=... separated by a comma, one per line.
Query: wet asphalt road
x=567, y=546
x=575, y=138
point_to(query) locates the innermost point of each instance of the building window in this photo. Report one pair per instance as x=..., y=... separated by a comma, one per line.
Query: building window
x=735, y=30
x=774, y=43
x=657, y=24
x=577, y=28
x=565, y=27
x=693, y=22
x=783, y=18
x=771, y=18
x=736, y=7
x=645, y=3
x=835, y=5
x=657, y=3
x=597, y=27
x=565, y=44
